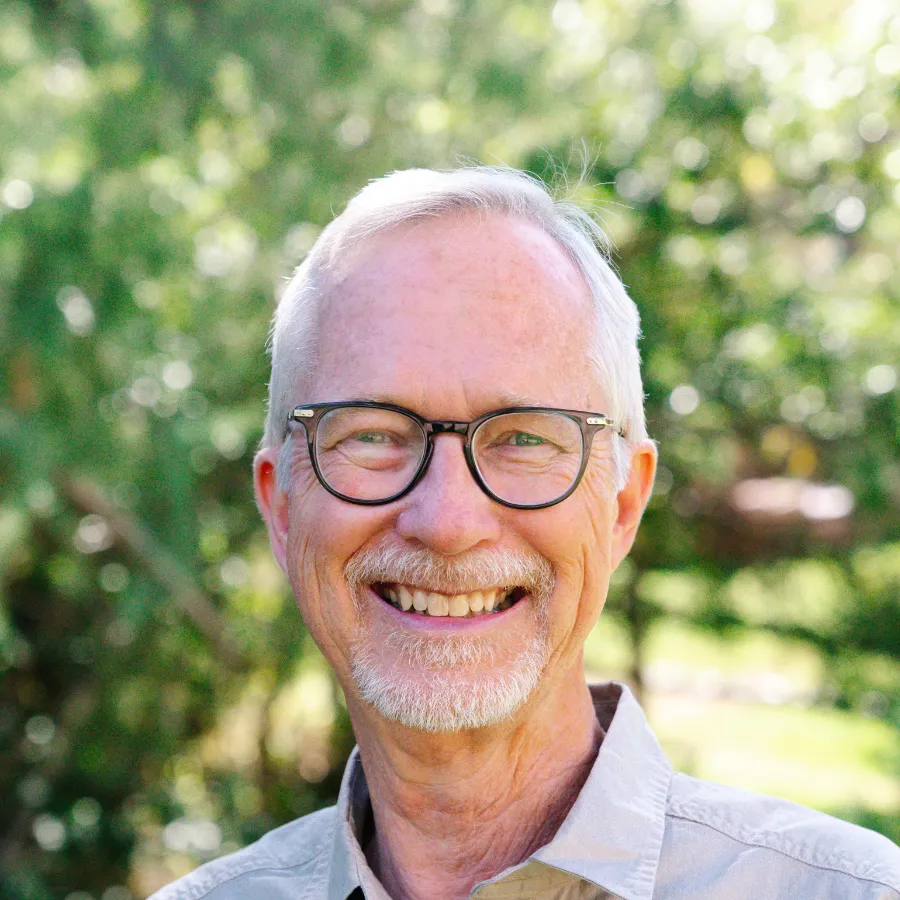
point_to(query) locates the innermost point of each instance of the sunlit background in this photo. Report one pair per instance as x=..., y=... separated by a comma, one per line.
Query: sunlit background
x=164, y=166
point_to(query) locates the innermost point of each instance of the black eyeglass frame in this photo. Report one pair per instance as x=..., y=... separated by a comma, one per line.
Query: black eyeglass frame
x=588, y=422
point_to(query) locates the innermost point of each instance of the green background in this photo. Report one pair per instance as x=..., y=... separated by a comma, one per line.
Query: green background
x=164, y=166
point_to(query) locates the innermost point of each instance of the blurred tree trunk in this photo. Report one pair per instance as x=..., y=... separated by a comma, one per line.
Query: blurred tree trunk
x=637, y=618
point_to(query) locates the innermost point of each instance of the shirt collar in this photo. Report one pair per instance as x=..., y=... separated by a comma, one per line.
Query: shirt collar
x=613, y=833
x=348, y=861
x=611, y=837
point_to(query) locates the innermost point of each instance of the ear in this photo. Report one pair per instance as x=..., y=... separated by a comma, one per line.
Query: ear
x=272, y=501
x=633, y=498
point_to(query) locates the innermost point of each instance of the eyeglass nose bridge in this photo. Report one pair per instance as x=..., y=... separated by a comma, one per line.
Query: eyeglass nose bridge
x=448, y=427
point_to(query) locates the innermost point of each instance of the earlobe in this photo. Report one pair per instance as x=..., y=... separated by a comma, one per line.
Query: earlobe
x=632, y=499
x=272, y=501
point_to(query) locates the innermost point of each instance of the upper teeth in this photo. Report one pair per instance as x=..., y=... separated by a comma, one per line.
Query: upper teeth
x=458, y=605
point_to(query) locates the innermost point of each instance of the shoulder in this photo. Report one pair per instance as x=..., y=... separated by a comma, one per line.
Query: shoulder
x=287, y=854
x=803, y=846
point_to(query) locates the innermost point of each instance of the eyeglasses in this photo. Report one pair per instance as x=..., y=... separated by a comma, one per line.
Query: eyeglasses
x=525, y=457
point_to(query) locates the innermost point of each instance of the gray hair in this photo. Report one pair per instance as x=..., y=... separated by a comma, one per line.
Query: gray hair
x=413, y=195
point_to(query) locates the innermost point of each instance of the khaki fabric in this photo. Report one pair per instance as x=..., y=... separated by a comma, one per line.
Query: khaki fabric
x=537, y=880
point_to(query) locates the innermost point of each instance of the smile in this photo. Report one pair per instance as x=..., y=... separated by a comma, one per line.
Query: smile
x=418, y=601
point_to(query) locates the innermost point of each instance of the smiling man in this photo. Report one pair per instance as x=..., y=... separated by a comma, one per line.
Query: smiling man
x=454, y=464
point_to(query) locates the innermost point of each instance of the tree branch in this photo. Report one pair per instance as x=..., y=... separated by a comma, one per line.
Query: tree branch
x=161, y=564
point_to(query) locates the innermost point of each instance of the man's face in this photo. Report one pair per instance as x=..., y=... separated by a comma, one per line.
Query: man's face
x=452, y=318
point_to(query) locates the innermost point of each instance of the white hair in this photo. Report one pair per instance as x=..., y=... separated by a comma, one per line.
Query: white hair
x=408, y=196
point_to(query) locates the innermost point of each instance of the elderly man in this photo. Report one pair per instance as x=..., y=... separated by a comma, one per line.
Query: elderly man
x=455, y=462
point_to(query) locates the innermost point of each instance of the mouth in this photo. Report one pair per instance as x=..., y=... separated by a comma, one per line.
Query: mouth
x=419, y=601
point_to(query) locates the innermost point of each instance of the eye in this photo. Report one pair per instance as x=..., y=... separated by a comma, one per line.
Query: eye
x=524, y=439
x=373, y=437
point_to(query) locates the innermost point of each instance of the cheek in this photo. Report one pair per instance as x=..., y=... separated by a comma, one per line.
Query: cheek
x=600, y=509
x=577, y=542
x=323, y=533
x=314, y=540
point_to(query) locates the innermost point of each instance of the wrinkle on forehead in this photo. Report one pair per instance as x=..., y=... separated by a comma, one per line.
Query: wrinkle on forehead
x=436, y=300
x=538, y=256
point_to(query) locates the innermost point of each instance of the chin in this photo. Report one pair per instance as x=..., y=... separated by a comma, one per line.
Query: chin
x=446, y=683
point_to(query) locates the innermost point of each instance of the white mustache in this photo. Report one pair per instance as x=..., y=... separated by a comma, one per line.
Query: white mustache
x=451, y=575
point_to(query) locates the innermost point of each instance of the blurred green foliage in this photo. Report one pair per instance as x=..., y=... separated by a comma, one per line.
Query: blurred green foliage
x=163, y=167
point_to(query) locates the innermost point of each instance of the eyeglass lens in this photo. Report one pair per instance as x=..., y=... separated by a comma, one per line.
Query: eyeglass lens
x=527, y=458
x=368, y=454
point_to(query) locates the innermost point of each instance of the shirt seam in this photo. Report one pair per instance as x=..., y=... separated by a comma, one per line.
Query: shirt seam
x=212, y=882
x=643, y=879
x=760, y=841
x=207, y=887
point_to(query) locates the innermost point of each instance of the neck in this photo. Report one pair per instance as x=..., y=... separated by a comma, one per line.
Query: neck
x=452, y=810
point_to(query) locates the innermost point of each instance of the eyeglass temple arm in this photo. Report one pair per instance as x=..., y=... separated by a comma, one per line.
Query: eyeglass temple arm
x=605, y=422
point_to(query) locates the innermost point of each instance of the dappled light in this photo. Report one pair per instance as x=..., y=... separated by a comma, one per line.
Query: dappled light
x=163, y=170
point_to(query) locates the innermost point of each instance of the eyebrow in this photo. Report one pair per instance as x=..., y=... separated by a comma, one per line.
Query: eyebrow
x=504, y=398
x=514, y=398
x=377, y=398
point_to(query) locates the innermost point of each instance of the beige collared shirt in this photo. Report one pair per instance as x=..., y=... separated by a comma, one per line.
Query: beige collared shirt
x=638, y=831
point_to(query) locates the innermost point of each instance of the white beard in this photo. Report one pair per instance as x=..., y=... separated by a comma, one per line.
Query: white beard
x=446, y=684
x=449, y=683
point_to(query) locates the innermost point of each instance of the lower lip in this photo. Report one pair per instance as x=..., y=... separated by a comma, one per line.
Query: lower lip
x=446, y=623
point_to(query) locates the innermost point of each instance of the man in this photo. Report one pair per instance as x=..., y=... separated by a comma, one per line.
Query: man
x=454, y=464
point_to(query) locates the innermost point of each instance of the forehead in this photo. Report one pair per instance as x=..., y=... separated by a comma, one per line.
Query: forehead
x=457, y=311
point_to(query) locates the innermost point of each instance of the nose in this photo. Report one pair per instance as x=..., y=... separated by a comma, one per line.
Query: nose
x=447, y=511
